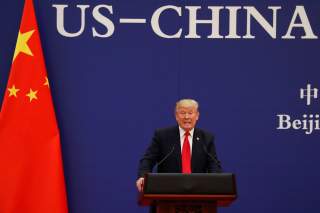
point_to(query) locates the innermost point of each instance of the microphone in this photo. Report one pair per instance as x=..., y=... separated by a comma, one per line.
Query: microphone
x=167, y=155
x=214, y=158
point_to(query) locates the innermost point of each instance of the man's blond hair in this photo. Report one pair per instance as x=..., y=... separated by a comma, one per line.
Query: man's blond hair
x=187, y=103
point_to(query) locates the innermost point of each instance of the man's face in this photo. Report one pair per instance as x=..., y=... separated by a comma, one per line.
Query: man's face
x=187, y=117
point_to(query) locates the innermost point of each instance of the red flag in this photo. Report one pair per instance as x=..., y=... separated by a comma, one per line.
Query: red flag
x=31, y=171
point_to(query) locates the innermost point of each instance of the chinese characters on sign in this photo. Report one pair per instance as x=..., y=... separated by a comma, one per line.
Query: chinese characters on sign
x=309, y=122
x=309, y=93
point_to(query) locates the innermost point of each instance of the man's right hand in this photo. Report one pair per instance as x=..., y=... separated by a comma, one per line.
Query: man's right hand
x=139, y=184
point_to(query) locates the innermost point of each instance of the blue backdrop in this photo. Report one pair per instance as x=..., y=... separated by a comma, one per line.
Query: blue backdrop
x=111, y=93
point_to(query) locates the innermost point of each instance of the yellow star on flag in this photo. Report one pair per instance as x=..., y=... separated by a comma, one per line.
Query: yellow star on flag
x=32, y=94
x=22, y=45
x=46, y=83
x=13, y=91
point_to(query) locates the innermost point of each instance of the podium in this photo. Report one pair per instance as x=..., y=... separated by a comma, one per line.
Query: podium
x=188, y=193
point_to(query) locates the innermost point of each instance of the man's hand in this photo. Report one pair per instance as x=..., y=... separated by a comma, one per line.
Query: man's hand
x=140, y=183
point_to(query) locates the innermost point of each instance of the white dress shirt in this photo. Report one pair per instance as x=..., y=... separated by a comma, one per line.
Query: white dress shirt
x=182, y=132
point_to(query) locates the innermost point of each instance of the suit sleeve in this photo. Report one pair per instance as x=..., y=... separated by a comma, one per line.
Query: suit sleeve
x=214, y=165
x=150, y=157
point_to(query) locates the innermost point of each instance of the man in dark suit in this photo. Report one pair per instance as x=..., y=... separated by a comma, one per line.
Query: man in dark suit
x=182, y=148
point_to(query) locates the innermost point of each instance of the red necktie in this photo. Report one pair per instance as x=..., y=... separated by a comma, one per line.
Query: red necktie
x=186, y=156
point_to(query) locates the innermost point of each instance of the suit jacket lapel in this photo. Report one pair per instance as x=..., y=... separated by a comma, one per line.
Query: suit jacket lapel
x=196, y=147
x=178, y=147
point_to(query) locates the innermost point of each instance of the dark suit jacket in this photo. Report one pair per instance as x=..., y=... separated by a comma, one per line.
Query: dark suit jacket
x=166, y=149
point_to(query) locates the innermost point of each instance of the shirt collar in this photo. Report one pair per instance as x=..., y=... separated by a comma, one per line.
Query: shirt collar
x=182, y=132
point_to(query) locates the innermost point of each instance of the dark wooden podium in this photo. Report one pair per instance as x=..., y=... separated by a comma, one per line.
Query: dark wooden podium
x=192, y=193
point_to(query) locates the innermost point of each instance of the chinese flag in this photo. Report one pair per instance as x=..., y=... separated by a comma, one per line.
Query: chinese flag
x=31, y=170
